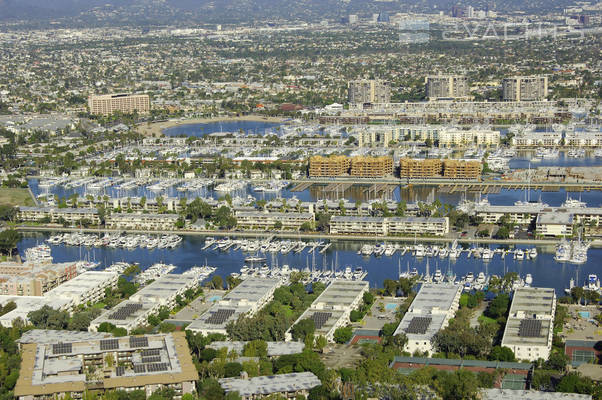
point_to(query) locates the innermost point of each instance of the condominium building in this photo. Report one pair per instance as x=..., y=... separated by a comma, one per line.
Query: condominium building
x=73, y=367
x=371, y=167
x=446, y=86
x=530, y=324
x=461, y=169
x=87, y=287
x=245, y=299
x=432, y=308
x=107, y=104
x=329, y=166
x=142, y=221
x=55, y=214
x=472, y=137
x=534, y=138
x=331, y=309
x=436, y=168
x=30, y=279
x=525, y=88
x=268, y=220
x=420, y=168
x=27, y=304
x=381, y=226
x=554, y=222
x=368, y=91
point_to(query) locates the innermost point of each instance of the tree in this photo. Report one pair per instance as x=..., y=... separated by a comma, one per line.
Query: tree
x=8, y=241
x=557, y=361
x=388, y=329
x=303, y=328
x=217, y=282
x=80, y=321
x=48, y=318
x=399, y=341
x=255, y=348
x=498, y=306
x=232, y=369
x=343, y=334
x=500, y=353
x=320, y=343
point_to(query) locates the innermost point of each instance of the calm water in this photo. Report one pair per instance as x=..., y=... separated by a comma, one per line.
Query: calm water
x=545, y=271
x=198, y=130
x=410, y=195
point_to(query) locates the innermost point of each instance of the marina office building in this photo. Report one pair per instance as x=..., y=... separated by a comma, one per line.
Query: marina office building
x=331, y=309
x=382, y=226
x=245, y=299
x=134, y=312
x=530, y=324
x=432, y=308
x=148, y=363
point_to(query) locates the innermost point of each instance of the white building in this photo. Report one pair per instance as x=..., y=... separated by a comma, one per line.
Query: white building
x=554, y=223
x=382, y=226
x=530, y=324
x=432, y=308
x=87, y=287
x=26, y=304
x=245, y=299
x=333, y=306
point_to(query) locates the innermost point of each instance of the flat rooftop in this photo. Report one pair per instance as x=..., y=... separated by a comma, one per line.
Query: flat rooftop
x=510, y=394
x=124, y=313
x=48, y=336
x=217, y=317
x=531, y=317
x=26, y=304
x=429, y=311
x=165, y=287
x=265, y=385
x=274, y=348
x=81, y=284
x=251, y=290
x=340, y=293
x=58, y=367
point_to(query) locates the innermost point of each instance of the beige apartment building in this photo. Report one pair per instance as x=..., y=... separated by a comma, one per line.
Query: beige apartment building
x=369, y=91
x=446, y=87
x=525, y=88
x=107, y=104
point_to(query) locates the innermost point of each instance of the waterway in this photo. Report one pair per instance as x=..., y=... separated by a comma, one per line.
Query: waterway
x=545, y=271
x=199, y=130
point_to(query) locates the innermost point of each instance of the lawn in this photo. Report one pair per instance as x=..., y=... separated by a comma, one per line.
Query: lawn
x=16, y=197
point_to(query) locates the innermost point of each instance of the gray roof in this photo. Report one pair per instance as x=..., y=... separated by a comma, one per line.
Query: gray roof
x=274, y=348
x=48, y=336
x=558, y=217
x=265, y=385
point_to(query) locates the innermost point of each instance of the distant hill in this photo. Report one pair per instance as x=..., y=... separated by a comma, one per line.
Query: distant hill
x=230, y=11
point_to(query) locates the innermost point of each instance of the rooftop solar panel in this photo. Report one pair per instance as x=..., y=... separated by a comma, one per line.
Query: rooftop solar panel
x=62, y=348
x=138, y=341
x=220, y=316
x=150, y=352
x=139, y=368
x=109, y=344
x=320, y=318
x=419, y=325
x=125, y=311
x=151, y=359
x=157, y=367
x=529, y=328
x=119, y=371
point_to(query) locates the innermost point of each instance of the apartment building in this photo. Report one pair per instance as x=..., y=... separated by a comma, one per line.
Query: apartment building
x=142, y=221
x=73, y=367
x=108, y=104
x=436, y=168
x=525, y=88
x=329, y=166
x=87, y=287
x=268, y=220
x=533, y=138
x=529, y=328
x=461, y=169
x=381, y=226
x=55, y=214
x=554, y=223
x=287, y=386
x=472, y=137
x=420, y=168
x=368, y=91
x=430, y=311
x=32, y=279
x=446, y=87
x=371, y=167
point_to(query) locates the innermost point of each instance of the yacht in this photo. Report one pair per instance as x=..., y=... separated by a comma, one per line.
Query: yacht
x=438, y=277
x=563, y=251
x=366, y=250
x=574, y=203
x=469, y=277
x=593, y=283
x=519, y=254
x=487, y=254
x=420, y=251
x=532, y=253
x=528, y=280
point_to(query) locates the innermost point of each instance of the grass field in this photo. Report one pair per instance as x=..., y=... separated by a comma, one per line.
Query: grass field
x=16, y=197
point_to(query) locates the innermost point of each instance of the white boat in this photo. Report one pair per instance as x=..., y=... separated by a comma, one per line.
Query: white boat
x=593, y=283
x=519, y=254
x=438, y=276
x=563, y=251
x=528, y=279
x=487, y=254
x=419, y=250
x=532, y=253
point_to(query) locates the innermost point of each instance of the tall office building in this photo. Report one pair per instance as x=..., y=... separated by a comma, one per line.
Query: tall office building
x=525, y=88
x=107, y=104
x=446, y=86
x=369, y=91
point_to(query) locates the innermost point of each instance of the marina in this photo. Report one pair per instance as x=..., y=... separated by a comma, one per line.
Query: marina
x=537, y=265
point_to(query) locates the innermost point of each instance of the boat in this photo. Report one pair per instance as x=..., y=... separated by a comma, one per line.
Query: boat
x=593, y=283
x=532, y=253
x=438, y=276
x=519, y=254
x=528, y=280
x=255, y=259
x=563, y=251
x=487, y=254
x=419, y=250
